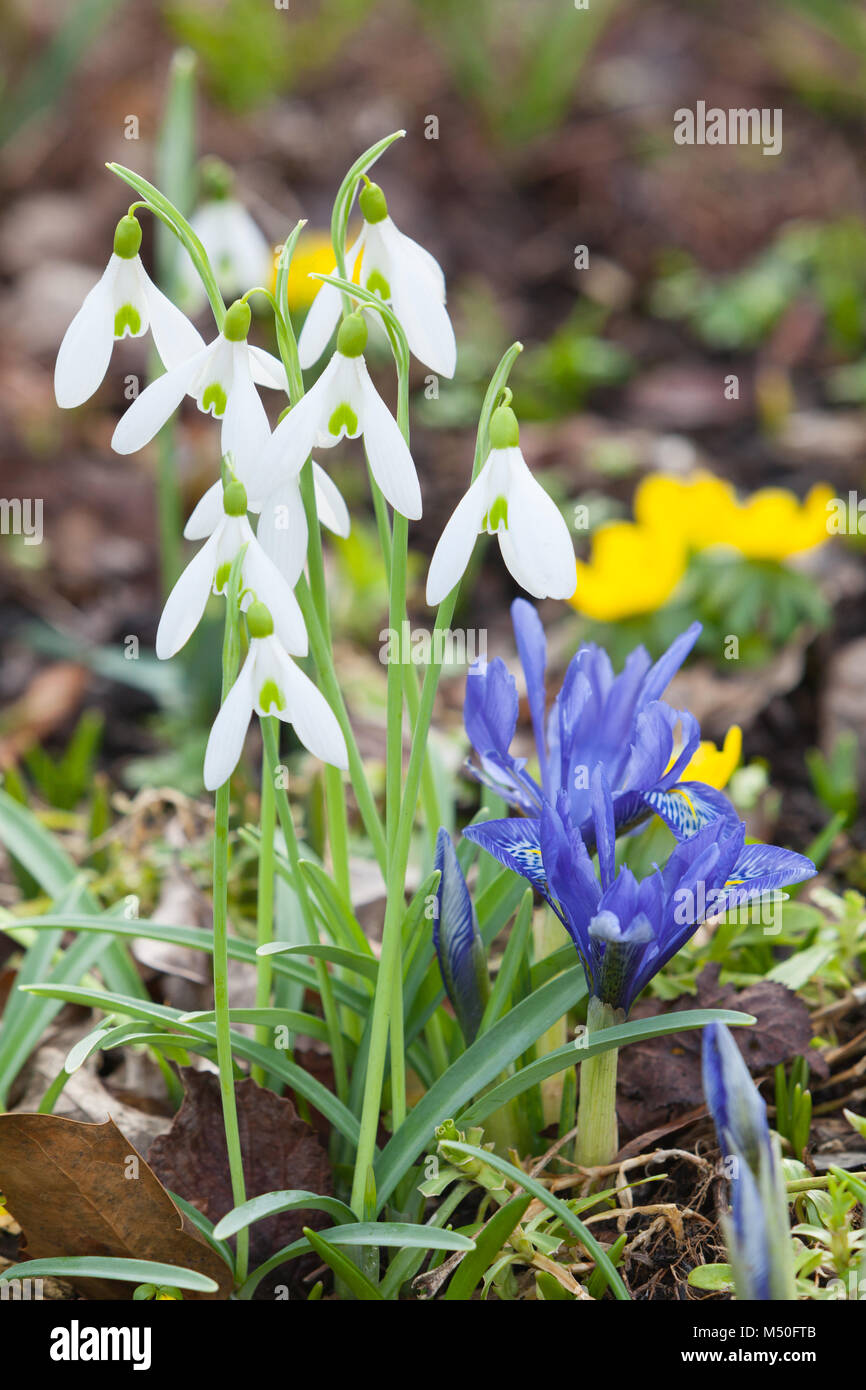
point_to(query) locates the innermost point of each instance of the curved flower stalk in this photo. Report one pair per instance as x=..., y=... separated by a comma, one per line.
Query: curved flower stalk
x=221, y=516
x=457, y=941
x=757, y=1233
x=344, y=402
x=619, y=721
x=221, y=378
x=270, y=683
x=124, y=303
x=507, y=502
x=406, y=276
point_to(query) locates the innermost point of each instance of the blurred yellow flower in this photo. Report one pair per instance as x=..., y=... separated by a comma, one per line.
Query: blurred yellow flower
x=773, y=524
x=715, y=765
x=631, y=570
x=313, y=253
x=703, y=511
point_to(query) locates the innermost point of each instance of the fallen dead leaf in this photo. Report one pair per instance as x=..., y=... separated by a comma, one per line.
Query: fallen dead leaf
x=661, y=1077
x=280, y=1151
x=81, y=1189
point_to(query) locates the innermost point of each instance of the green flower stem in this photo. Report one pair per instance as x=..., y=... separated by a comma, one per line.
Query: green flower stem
x=265, y=897
x=230, y=661
x=335, y=800
x=323, y=978
x=429, y=792
x=389, y=961
x=597, y=1140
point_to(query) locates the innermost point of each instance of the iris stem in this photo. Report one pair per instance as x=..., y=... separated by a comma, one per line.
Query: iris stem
x=231, y=645
x=597, y=1140
x=265, y=897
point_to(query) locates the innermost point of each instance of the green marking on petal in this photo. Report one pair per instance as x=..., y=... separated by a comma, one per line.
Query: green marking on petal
x=127, y=317
x=214, y=396
x=498, y=515
x=377, y=284
x=343, y=415
x=221, y=578
x=271, y=695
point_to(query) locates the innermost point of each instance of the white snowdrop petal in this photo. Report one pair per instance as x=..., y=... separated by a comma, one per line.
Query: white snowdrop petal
x=539, y=535
x=330, y=505
x=414, y=256
x=85, y=351
x=186, y=602
x=274, y=591
x=250, y=250
x=149, y=412
x=226, y=742
x=292, y=441
x=308, y=711
x=174, y=336
x=457, y=541
x=324, y=312
x=282, y=530
x=425, y=321
x=267, y=370
x=245, y=429
x=390, y=460
x=206, y=515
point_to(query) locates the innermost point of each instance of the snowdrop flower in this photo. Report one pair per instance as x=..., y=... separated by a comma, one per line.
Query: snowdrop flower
x=405, y=275
x=344, y=401
x=124, y=303
x=270, y=683
x=282, y=529
x=238, y=251
x=222, y=517
x=221, y=377
x=506, y=501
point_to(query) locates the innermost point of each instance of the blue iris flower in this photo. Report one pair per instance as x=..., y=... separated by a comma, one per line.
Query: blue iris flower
x=757, y=1233
x=626, y=929
x=618, y=721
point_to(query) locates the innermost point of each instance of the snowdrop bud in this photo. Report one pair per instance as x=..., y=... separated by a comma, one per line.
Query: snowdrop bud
x=237, y=322
x=504, y=430
x=127, y=238
x=215, y=177
x=235, y=499
x=352, y=337
x=259, y=620
x=371, y=201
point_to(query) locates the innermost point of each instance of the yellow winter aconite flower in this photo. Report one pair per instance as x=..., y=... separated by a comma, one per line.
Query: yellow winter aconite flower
x=693, y=509
x=703, y=511
x=314, y=253
x=774, y=524
x=713, y=765
x=631, y=569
